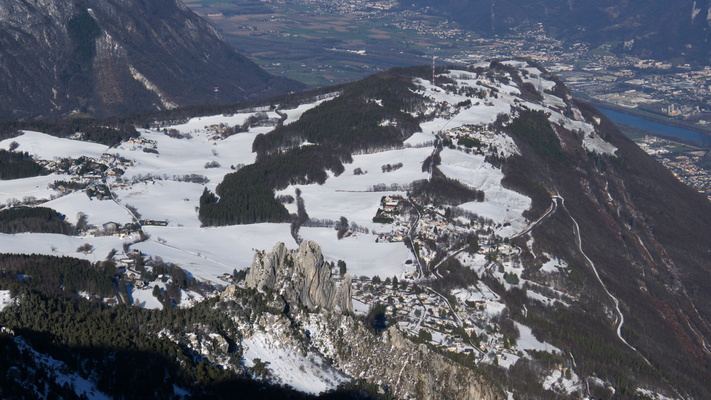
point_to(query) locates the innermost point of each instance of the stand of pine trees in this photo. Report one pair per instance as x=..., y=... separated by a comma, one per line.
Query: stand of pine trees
x=33, y=219
x=16, y=165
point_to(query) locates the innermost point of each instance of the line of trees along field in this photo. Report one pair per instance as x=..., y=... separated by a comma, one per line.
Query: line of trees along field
x=34, y=219
x=98, y=131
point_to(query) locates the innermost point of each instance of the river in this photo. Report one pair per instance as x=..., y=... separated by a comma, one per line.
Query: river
x=657, y=127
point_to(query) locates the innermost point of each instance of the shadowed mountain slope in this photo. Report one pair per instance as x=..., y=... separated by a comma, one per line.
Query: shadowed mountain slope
x=112, y=57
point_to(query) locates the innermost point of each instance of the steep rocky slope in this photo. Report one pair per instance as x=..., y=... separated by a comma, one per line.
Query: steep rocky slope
x=408, y=369
x=119, y=56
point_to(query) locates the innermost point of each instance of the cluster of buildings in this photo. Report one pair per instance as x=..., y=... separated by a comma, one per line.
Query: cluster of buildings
x=89, y=168
x=681, y=93
x=138, y=143
x=430, y=227
x=687, y=166
x=473, y=132
x=389, y=212
x=121, y=230
x=427, y=315
x=89, y=174
x=357, y=7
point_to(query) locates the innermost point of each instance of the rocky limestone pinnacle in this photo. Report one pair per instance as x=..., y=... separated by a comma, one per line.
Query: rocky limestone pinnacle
x=300, y=277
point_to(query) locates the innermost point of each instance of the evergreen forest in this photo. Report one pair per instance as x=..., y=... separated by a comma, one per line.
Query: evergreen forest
x=16, y=165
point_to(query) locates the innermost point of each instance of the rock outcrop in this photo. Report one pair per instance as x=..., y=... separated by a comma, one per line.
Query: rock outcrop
x=301, y=278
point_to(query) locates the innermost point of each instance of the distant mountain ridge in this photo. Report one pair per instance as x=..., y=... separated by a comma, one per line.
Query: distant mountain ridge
x=112, y=57
x=656, y=29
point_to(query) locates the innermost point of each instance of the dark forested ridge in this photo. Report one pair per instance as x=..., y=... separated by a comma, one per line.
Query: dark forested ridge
x=182, y=114
x=118, y=349
x=646, y=244
x=354, y=120
x=533, y=128
x=57, y=275
x=441, y=190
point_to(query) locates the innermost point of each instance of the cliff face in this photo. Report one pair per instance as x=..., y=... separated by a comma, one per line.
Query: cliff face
x=117, y=56
x=301, y=278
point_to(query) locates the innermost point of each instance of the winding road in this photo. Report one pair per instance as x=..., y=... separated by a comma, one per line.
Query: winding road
x=558, y=200
x=553, y=207
x=620, y=317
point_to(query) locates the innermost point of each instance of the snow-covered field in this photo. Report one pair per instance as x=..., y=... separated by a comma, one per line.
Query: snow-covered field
x=362, y=255
x=144, y=298
x=46, y=147
x=208, y=253
x=502, y=205
x=162, y=200
x=97, y=212
x=59, y=245
x=180, y=157
x=529, y=342
x=351, y=195
x=37, y=188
